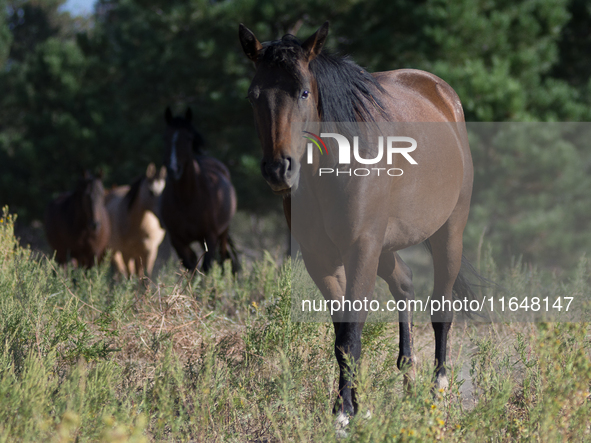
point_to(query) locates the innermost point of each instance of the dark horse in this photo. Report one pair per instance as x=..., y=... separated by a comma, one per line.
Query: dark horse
x=77, y=224
x=198, y=201
x=345, y=247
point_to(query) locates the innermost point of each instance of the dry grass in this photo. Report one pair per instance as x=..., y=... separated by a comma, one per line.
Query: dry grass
x=216, y=358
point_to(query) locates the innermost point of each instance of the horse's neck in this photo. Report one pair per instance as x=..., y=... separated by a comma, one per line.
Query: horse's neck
x=137, y=210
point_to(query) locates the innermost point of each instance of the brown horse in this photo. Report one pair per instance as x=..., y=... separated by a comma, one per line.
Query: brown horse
x=135, y=228
x=353, y=227
x=77, y=225
x=199, y=200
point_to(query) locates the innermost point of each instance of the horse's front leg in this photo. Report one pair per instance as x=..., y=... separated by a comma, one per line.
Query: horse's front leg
x=185, y=253
x=120, y=264
x=329, y=276
x=210, y=245
x=361, y=264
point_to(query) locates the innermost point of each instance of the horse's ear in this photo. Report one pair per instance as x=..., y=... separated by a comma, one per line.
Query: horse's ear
x=250, y=45
x=313, y=45
x=162, y=174
x=151, y=171
x=189, y=115
x=168, y=115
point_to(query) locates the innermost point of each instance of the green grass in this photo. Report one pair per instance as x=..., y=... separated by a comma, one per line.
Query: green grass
x=215, y=358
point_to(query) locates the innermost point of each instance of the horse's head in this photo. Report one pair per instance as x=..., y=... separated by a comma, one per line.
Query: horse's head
x=283, y=91
x=91, y=194
x=182, y=140
x=152, y=186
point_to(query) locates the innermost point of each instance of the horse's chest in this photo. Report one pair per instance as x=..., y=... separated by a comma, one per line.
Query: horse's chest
x=188, y=225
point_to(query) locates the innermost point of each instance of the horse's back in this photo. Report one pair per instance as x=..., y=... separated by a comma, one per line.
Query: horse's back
x=420, y=96
x=115, y=195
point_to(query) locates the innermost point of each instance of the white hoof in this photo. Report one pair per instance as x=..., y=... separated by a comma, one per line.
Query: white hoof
x=341, y=423
x=442, y=382
x=342, y=420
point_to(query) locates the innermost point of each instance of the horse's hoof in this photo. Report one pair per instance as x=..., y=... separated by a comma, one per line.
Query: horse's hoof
x=341, y=423
x=441, y=383
x=440, y=387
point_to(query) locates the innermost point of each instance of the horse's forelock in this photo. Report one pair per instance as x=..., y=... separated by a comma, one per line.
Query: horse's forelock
x=346, y=91
x=286, y=53
x=180, y=123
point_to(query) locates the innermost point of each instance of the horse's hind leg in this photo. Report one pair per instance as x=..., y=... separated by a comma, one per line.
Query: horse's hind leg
x=228, y=250
x=223, y=240
x=399, y=278
x=446, y=245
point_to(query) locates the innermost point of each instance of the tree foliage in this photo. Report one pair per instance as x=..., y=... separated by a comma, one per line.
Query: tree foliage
x=76, y=95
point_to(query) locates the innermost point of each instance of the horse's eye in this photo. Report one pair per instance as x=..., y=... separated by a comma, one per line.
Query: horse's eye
x=305, y=95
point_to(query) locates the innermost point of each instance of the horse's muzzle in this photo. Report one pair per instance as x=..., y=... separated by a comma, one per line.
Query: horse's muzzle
x=280, y=174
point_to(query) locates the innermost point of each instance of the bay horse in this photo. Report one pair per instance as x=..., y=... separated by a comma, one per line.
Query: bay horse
x=199, y=199
x=353, y=228
x=77, y=224
x=136, y=232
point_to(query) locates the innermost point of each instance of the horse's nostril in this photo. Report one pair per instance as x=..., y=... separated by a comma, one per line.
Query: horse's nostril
x=277, y=171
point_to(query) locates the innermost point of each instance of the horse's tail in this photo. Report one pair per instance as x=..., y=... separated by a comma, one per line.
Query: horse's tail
x=463, y=288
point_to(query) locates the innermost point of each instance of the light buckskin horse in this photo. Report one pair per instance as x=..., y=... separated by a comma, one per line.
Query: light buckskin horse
x=344, y=248
x=135, y=228
x=199, y=200
x=77, y=225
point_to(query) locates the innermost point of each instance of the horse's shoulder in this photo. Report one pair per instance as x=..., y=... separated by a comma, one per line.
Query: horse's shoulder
x=213, y=165
x=428, y=85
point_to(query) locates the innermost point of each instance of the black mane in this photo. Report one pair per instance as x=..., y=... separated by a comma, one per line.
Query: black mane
x=198, y=141
x=133, y=192
x=346, y=91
